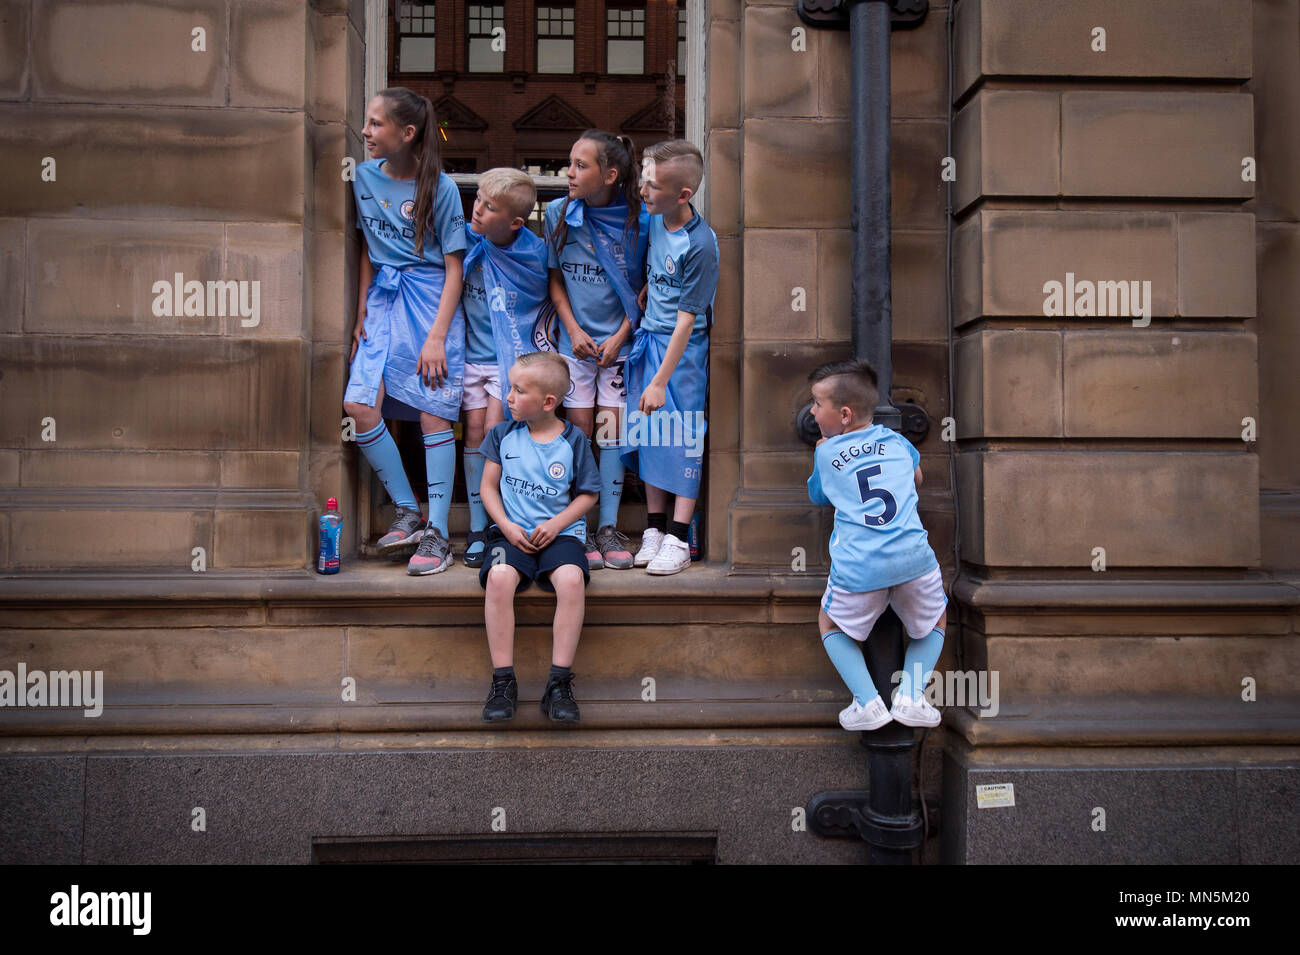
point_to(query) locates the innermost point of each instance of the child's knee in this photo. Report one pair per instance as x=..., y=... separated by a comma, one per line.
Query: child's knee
x=567, y=579
x=824, y=623
x=502, y=577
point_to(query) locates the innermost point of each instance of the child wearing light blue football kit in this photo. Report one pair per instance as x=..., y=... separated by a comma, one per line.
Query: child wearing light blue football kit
x=408, y=347
x=506, y=289
x=880, y=554
x=668, y=366
x=596, y=240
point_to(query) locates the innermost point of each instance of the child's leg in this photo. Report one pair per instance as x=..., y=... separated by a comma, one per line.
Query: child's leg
x=499, y=613
x=475, y=430
x=380, y=451
x=919, y=661
x=570, y=591
x=439, y=467
x=611, y=465
x=846, y=654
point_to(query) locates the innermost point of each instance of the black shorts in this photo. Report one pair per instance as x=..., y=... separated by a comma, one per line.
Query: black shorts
x=565, y=549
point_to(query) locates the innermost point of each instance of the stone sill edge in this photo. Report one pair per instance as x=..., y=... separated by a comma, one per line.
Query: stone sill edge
x=1256, y=592
x=703, y=585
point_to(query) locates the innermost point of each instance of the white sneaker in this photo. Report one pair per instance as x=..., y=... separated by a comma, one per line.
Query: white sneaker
x=914, y=713
x=674, y=556
x=869, y=717
x=651, y=541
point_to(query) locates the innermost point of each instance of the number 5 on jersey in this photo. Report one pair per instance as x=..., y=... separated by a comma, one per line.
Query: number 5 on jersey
x=870, y=493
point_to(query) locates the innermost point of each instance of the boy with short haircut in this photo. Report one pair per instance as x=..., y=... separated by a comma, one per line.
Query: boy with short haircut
x=880, y=554
x=505, y=290
x=539, y=479
x=668, y=367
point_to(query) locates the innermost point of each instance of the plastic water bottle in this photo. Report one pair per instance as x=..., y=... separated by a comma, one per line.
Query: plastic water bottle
x=693, y=536
x=331, y=526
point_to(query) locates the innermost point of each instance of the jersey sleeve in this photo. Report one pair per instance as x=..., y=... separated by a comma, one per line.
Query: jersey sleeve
x=586, y=476
x=914, y=454
x=815, y=492
x=699, y=276
x=491, y=446
x=448, y=216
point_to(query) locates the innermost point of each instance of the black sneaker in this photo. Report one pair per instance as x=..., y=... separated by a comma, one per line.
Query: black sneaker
x=558, y=702
x=503, y=696
x=474, y=558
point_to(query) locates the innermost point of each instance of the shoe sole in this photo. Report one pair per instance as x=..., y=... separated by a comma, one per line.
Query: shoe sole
x=386, y=549
x=666, y=572
x=499, y=719
x=907, y=722
x=866, y=727
x=437, y=570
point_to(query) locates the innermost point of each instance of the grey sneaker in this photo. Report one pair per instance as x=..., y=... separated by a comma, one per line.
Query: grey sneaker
x=407, y=528
x=595, y=560
x=614, y=548
x=433, y=556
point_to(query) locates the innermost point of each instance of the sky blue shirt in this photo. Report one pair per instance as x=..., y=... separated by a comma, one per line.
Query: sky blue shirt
x=386, y=207
x=682, y=272
x=538, y=481
x=596, y=306
x=868, y=477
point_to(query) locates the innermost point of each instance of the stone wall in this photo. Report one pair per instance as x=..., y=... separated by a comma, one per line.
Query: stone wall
x=142, y=141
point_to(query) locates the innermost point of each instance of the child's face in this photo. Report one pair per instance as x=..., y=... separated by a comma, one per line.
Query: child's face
x=585, y=178
x=384, y=138
x=829, y=418
x=526, y=398
x=493, y=220
x=660, y=190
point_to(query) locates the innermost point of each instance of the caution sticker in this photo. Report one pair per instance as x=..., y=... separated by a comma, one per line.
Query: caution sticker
x=995, y=795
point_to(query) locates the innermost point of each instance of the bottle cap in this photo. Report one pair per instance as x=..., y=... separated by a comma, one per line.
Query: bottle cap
x=332, y=504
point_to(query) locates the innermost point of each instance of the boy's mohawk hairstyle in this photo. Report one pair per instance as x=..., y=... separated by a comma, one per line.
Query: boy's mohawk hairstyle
x=550, y=370
x=852, y=382
x=685, y=157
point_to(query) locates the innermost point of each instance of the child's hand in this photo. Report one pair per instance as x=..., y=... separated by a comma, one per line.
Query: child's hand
x=653, y=398
x=607, y=352
x=583, y=345
x=819, y=442
x=432, y=368
x=358, y=334
x=515, y=534
x=641, y=297
x=545, y=533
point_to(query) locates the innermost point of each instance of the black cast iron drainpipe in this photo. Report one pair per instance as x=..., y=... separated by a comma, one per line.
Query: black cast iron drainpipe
x=884, y=817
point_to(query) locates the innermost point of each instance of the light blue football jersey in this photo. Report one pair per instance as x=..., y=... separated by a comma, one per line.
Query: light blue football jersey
x=595, y=303
x=385, y=213
x=682, y=272
x=868, y=477
x=538, y=481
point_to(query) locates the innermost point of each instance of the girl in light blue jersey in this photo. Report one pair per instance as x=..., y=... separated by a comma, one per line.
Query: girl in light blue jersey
x=408, y=347
x=597, y=242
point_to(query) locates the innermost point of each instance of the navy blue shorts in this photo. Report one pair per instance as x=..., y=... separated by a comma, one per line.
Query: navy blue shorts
x=565, y=549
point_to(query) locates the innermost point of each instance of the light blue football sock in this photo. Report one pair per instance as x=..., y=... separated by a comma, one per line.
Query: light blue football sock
x=386, y=461
x=440, y=471
x=477, y=512
x=918, y=663
x=611, y=484
x=846, y=654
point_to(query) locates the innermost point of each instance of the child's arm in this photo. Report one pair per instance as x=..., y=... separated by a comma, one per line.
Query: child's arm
x=656, y=393
x=583, y=346
x=547, y=531
x=917, y=476
x=433, y=356
x=490, y=495
x=365, y=276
